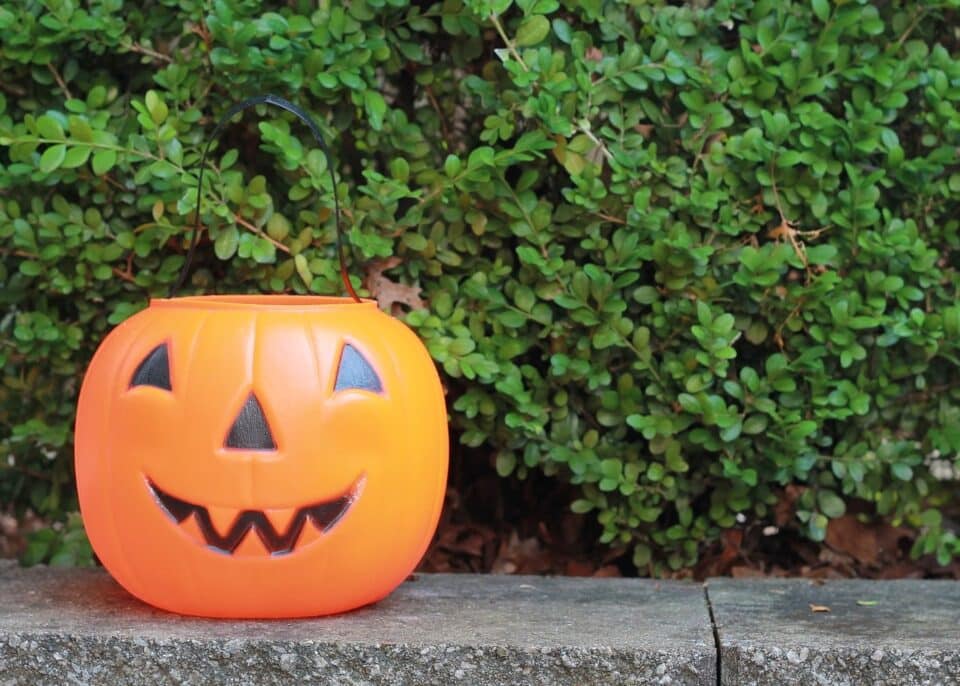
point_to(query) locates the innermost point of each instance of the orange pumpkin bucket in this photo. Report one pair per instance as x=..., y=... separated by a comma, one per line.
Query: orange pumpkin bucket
x=255, y=456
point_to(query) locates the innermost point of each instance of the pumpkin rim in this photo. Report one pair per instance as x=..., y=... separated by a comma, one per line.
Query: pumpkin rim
x=271, y=302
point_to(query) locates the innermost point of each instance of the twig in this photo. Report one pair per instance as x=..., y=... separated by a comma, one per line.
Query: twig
x=102, y=146
x=59, y=80
x=609, y=218
x=906, y=34
x=787, y=229
x=443, y=120
x=778, y=334
x=136, y=47
x=596, y=141
x=13, y=89
x=510, y=46
x=244, y=223
x=126, y=276
x=113, y=182
x=776, y=193
x=126, y=273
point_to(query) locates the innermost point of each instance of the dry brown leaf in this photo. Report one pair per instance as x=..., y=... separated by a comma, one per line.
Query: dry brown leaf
x=819, y=608
x=784, y=510
x=644, y=129
x=901, y=570
x=890, y=538
x=579, y=568
x=848, y=535
x=388, y=293
x=520, y=556
x=720, y=564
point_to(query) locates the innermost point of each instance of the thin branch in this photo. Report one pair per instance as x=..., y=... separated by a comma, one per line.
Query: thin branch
x=126, y=276
x=443, y=119
x=787, y=229
x=609, y=218
x=247, y=225
x=127, y=273
x=510, y=45
x=13, y=89
x=776, y=193
x=100, y=146
x=19, y=253
x=136, y=47
x=596, y=141
x=906, y=34
x=59, y=80
x=113, y=182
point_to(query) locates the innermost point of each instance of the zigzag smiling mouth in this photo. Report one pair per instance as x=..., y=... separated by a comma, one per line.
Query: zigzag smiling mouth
x=323, y=515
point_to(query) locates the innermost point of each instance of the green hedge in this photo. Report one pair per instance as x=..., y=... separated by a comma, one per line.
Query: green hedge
x=680, y=256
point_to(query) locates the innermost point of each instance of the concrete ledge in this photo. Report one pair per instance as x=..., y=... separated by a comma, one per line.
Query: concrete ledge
x=882, y=633
x=78, y=626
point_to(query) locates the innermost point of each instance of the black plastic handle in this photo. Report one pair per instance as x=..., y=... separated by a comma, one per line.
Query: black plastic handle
x=268, y=99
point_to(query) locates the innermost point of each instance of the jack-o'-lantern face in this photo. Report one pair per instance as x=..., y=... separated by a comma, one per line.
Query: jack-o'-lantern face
x=245, y=456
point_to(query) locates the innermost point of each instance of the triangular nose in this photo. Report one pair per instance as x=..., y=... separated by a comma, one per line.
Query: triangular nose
x=250, y=430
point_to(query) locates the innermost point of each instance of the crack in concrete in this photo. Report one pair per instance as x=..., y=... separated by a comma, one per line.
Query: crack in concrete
x=716, y=632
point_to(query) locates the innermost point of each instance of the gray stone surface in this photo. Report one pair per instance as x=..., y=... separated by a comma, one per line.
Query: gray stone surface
x=79, y=627
x=901, y=632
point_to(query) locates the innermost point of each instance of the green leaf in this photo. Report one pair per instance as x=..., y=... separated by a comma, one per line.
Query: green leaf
x=48, y=127
x=532, y=30
x=303, y=269
x=278, y=227
x=831, y=504
x=642, y=555
x=103, y=161
x=225, y=246
x=76, y=156
x=80, y=130
x=580, y=505
x=817, y=527
x=451, y=166
x=506, y=462
x=31, y=268
x=821, y=8
x=755, y=424
x=264, y=251
x=156, y=107
x=400, y=169
x=525, y=298
x=902, y=471
x=376, y=108
x=52, y=157
x=646, y=295
x=655, y=472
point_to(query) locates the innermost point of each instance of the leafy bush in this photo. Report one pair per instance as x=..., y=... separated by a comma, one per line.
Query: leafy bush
x=683, y=256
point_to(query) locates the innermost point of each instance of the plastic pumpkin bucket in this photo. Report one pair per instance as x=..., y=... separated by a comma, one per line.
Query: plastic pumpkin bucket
x=261, y=456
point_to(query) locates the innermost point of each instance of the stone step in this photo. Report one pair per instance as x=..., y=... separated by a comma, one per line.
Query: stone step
x=78, y=627
x=60, y=626
x=881, y=633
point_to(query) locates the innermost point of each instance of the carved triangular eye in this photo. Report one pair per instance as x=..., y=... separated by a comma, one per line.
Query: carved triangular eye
x=154, y=370
x=355, y=372
x=250, y=430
